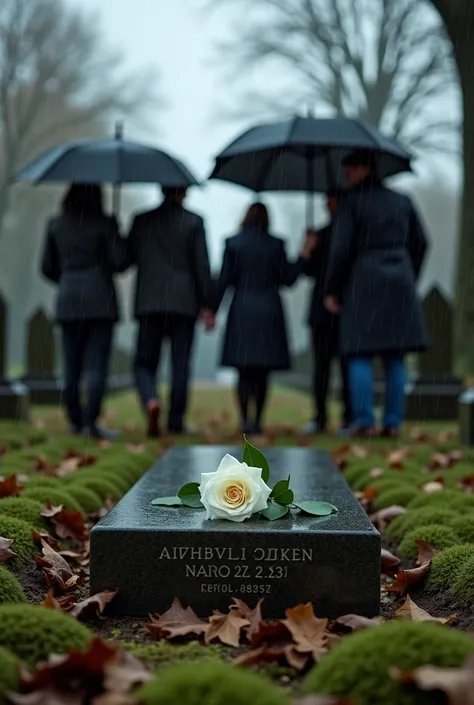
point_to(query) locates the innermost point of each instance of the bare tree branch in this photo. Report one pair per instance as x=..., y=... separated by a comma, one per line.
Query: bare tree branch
x=327, y=47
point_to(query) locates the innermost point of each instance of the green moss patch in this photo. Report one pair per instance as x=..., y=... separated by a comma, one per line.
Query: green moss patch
x=33, y=633
x=210, y=683
x=446, y=565
x=463, y=585
x=401, y=495
x=9, y=673
x=23, y=508
x=464, y=527
x=445, y=499
x=100, y=485
x=20, y=532
x=439, y=537
x=89, y=500
x=10, y=589
x=359, y=666
x=163, y=653
x=420, y=517
x=55, y=496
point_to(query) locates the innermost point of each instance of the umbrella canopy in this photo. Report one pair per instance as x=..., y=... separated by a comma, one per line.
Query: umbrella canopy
x=305, y=154
x=107, y=160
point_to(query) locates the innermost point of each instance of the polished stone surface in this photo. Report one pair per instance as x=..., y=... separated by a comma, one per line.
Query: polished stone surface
x=153, y=554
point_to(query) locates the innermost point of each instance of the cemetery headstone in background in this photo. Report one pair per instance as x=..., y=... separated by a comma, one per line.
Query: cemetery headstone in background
x=120, y=370
x=433, y=394
x=14, y=397
x=331, y=561
x=41, y=377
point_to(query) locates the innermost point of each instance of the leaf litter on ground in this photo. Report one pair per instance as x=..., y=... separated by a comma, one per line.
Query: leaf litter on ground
x=68, y=523
x=410, y=610
x=5, y=549
x=56, y=570
x=456, y=683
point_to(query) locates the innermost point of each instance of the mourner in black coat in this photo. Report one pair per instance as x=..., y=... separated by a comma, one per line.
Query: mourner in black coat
x=378, y=247
x=82, y=251
x=324, y=331
x=255, y=266
x=168, y=247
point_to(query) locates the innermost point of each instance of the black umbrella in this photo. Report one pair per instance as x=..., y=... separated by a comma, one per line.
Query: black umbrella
x=305, y=154
x=114, y=161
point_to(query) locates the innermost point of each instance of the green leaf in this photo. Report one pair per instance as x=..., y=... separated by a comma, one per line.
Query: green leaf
x=274, y=511
x=285, y=497
x=255, y=459
x=167, y=501
x=190, y=488
x=189, y=495
x=317, y=509
x=281, y=492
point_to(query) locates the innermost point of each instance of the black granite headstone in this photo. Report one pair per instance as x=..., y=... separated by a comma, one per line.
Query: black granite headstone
x=154, y=554
x=41, y=378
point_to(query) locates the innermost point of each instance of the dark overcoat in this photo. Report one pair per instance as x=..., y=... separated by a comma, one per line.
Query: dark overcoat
x=81, y=255
x=168, y=246
x=255, y=266
x=319, y=318
x=377, y=250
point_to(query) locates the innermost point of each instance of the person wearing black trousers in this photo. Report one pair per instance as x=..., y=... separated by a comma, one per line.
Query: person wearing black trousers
x=82, y=251
x=255, y=266
x=324, y=333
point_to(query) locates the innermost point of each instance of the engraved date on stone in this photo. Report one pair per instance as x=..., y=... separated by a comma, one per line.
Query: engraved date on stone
x=242, y=571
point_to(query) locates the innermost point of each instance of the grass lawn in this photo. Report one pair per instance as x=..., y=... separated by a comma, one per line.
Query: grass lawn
x=417, y=487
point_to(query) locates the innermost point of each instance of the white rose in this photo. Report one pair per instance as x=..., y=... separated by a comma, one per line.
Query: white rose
x=235, y=491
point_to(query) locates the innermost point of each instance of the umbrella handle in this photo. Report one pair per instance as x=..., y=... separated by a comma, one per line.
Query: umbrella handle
x=310, y=192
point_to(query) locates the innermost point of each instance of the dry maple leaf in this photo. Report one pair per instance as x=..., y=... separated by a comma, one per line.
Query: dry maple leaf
x=356, y=622
x=226, y=628
x=51, y=603
x=68, y=523
x=456, y=683
x=308, y=632
x=177, y=621
x=5, y=549
x=426, y=553
x=383, y=517
x=466, y=484
x=270, y=633
x=388, y=561
x=281, y=653
x=410, y=610
x=56, y=569
x=254, y=616
x=93, y=606
x=9, y=487
x=405, y=578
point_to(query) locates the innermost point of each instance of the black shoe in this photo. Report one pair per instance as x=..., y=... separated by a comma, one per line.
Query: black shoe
x=103, y=434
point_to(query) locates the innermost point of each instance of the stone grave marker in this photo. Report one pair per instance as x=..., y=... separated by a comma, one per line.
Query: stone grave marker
x=434, y=393
x=14, y=397
x=45, y=386
x=154, y=554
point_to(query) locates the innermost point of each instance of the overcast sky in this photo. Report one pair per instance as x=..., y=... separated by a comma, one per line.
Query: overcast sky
x=171, y=36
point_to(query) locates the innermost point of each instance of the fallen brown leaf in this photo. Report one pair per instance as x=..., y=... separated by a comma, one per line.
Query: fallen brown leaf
x=9, y=487
x=177, y=621
x=405, y=578
x=359, y=451
x=281, y=653
x=383, y=517
x=60, y=605
x=254, y=616
x=226, y=628
x=466, y=484
x=308, y=632
x=56, y=569
x=5, y=549
x=410, y=610
x=68, y=523
x=456, y=683
x=370, y=493
x=270, y=633
x=40, y=536
x=355, y=622
x=433, y=486
x=93, y=606
x=426, y=553
x=396, y=458
x=376, y=472
x=388, y=561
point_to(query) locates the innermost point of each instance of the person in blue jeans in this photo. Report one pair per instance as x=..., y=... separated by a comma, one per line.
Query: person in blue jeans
x=378, y=246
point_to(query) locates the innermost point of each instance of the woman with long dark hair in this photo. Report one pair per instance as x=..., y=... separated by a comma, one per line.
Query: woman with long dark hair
x=83, y=249
x=255, y=266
